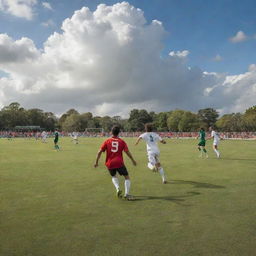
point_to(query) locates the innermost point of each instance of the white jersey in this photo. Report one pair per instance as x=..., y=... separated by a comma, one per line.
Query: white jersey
x=44, y=134
x=216, y=137
x=151, y=139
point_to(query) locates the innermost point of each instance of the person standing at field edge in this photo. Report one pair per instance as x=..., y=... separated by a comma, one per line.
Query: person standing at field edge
x=114, y=148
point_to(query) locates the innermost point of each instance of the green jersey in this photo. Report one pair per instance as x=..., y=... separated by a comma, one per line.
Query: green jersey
x=56, y=137
x=202, y=135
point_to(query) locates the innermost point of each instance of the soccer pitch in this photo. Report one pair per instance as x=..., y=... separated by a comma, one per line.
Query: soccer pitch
x=56, y=203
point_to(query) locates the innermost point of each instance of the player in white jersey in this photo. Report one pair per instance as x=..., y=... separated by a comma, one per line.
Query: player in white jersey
x=216, y=139
x=151, y=139
x=75, y=137
x=44, y=136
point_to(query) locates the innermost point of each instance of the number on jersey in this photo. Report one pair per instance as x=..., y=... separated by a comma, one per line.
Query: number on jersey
x=114, y=147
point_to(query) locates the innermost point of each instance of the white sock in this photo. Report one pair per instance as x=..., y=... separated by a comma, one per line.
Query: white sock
x=161, y=171
x=217, y=152
x=127, y=185
x=151, y=166
x=115, y=182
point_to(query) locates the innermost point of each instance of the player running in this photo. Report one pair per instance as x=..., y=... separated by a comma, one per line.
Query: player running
x=153, y=152
x=114, y=148
x=202, y=142
x=56, y=140
x=44, y=136
x=216, y=139
x=75, y=137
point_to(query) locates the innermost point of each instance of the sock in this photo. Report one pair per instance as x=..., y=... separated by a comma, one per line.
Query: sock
x=217, y=152
x=127, y=185
x=161, y=171
x=115, y=182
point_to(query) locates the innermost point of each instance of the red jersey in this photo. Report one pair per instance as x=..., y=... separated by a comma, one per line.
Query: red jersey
x=114, y=148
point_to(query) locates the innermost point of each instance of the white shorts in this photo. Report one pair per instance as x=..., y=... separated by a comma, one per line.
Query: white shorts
x=153, y=158
x=216, y=142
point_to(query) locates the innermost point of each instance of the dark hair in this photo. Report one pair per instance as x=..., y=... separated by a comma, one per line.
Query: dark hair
x=149, y=127
x=115, y=130
x=202, y=128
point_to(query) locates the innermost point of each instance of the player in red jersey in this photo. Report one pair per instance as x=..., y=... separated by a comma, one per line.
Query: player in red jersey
x=114, y=148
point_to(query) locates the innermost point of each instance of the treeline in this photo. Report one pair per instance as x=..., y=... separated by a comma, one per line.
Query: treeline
x=175, y=120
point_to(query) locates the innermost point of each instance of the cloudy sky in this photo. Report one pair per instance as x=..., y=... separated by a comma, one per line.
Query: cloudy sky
x=108, y=57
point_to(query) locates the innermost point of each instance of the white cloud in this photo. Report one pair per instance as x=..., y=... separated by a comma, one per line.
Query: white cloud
x=47, y=5
x=217, y=58
x=108, y=62
x=179, y=54
x=239, y=37
x=48, y=23
x=18, y=8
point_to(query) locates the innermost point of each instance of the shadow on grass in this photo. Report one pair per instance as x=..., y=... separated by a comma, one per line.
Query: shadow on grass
x=196, y=184
x=239, y=159
x=174, y=199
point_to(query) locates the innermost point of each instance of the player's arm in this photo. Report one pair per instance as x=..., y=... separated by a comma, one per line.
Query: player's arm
x=138, y=140
x=162, y=141
x=128, y=153
x=98, y=158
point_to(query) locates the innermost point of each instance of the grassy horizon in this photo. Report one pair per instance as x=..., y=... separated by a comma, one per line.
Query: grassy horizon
x=56, y=203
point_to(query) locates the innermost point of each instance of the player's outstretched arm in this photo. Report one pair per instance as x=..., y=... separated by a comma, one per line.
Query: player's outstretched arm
x=128, y=153
x=137, y=141
x=97, y=159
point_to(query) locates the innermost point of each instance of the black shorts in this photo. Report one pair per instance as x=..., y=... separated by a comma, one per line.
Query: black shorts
x=122, y=171
x=201, y=143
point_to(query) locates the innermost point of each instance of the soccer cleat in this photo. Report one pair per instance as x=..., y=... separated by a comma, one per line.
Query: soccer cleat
x=164, y=182
x=129, y=198
x=119, y=194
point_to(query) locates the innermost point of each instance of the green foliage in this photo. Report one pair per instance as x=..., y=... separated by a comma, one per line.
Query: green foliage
x=176, y=120
x=208, y=116
x=138, y=118
x=250, y=119
x=231, y=123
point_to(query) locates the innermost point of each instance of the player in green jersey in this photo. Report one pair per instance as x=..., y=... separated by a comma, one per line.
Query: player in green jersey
x=56, y=139
x=202, y=142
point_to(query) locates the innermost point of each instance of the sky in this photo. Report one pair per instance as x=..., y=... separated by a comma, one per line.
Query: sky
x=108, y=57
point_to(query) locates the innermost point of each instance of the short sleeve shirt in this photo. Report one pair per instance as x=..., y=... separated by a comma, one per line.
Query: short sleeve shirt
x=114, y=148
x=215, y=136
x=151, y=139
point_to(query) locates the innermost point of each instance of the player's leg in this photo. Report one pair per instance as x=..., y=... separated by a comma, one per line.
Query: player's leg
x=115, y=182
x=215, y=148
x=152, y=162
x=160, y=169
x=127, y=183
x=205, y=151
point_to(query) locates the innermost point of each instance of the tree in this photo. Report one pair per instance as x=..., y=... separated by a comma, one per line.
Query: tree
x=160, y=121
x=13, y=115
x=71, y=123
x=174, y=119
x=231, y=123
x=106, y=123
x=189, y=122
x=138, y=118
x=250, y=119
x=208, y=116
x=85, y=119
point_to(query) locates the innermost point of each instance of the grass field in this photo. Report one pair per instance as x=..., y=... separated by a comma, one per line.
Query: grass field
x=57, y=204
